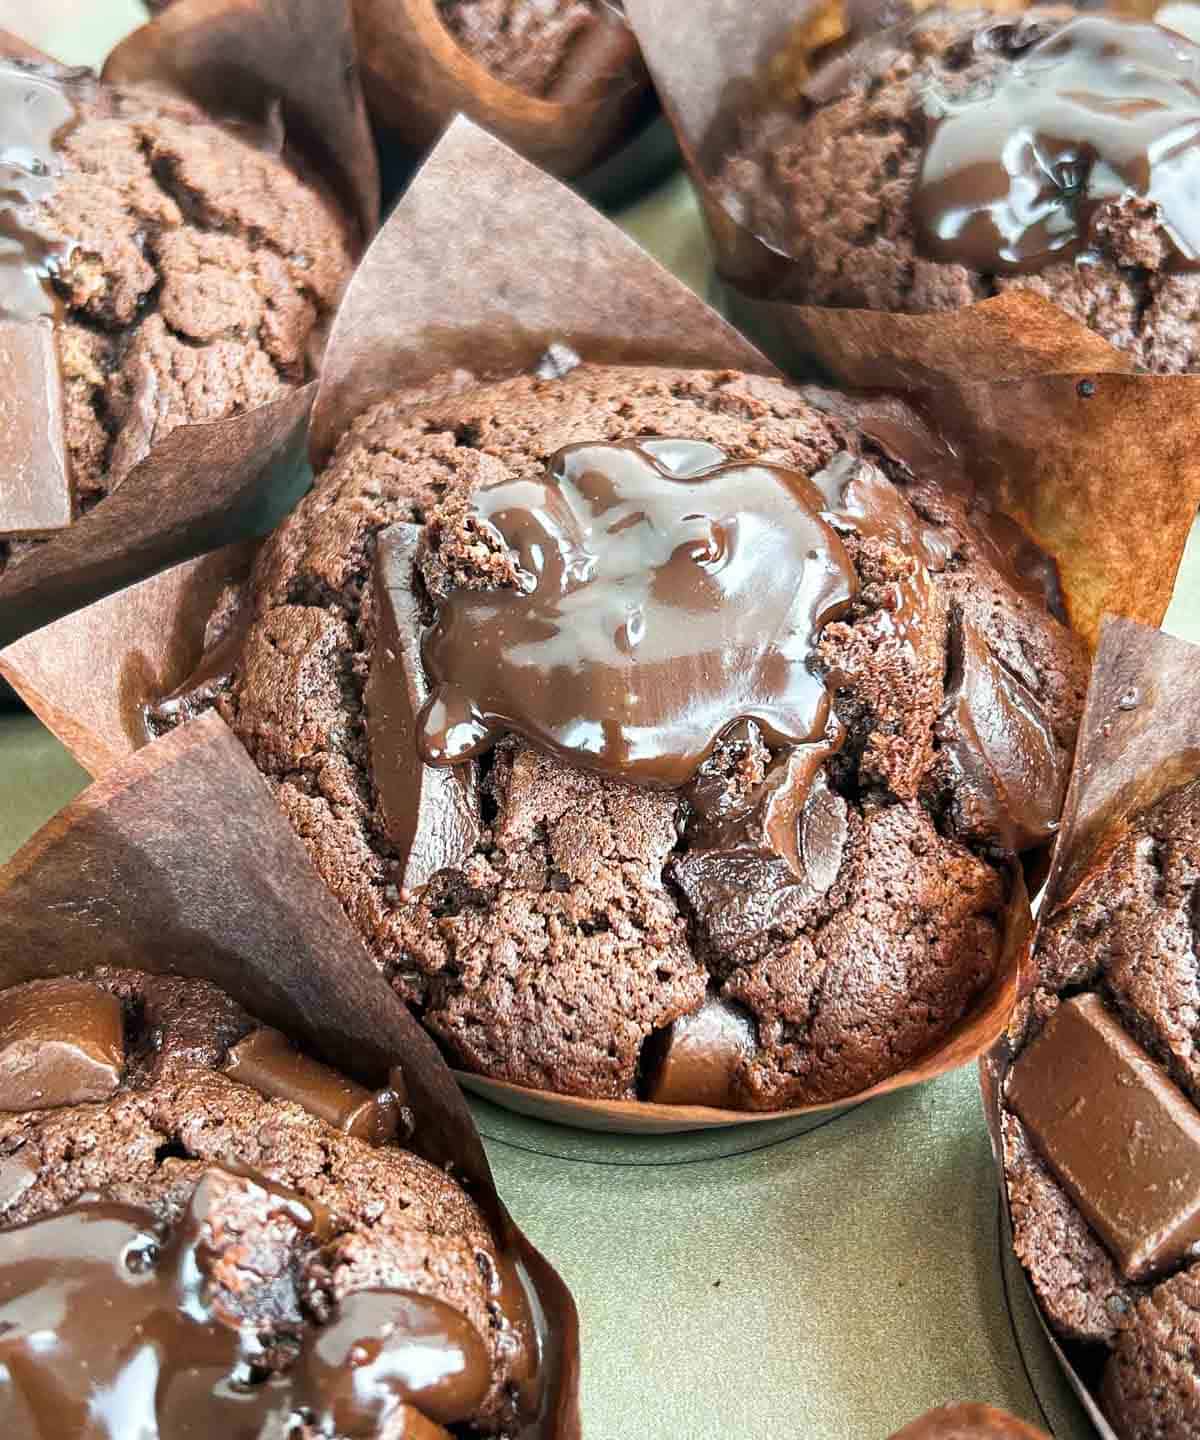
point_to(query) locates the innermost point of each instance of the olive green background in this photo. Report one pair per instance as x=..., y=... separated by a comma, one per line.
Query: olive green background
x=826, y=1280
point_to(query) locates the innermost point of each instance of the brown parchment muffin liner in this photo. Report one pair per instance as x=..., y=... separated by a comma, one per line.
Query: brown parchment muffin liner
x=417, y=78
x=442, y=291
x=1045, y=411
x=288, y=62
x=179, y=862
x=1139, y=739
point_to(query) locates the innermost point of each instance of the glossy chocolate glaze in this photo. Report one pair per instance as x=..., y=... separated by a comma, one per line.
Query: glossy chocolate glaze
x=36, y=109
x=1013, y=176
x=109, y=1329
x=696, y=1059
x=1122, y=1139
x=663, y=595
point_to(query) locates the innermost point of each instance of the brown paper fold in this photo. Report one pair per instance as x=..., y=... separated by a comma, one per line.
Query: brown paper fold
x=446, y=291
x=1139, y=739
x=417, y=78
x=179, y=861
x=238, y=58
x=1004, y=381
x=206, y=484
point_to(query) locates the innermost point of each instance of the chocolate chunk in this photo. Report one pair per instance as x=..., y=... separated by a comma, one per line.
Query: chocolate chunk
x=266, y=1062
x=431, y=814
x=661, y=596
x=695, y=1060
x=1005, y=773
x=1014, y=177
x=1120, y=1137
x=17, y=1174
x=759, y=869
x=36, y=494
x=386, y=1348
x=78, y=1288
x=61, y=1043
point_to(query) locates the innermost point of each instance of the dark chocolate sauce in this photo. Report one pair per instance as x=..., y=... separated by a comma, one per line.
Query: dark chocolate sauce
x=664, y=595
x=1013, y=176
x=109, y=1329
x=36, y=110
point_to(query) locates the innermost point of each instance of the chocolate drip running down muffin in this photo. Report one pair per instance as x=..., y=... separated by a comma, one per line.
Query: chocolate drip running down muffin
x=186, y=269
x=962, y=154
x=660, y=735
x=207, y=1233
x=1101, y=1127
x=548, y=48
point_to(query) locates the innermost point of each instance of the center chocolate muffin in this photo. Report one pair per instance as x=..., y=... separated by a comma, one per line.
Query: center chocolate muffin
x=1101, y=1126
x=962, y=154
x=206, y=1233
x=662, y=737
x=187, y=269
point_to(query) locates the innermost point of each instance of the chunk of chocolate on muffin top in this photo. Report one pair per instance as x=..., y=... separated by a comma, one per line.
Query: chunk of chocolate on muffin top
x=220, y=1240
x=660, y=734
x=1101, y=1126
x=156, y=269
x=961, y=154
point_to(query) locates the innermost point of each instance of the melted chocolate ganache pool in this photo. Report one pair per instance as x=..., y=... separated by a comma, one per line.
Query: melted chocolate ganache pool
x=662, y=595
x=1015, y=175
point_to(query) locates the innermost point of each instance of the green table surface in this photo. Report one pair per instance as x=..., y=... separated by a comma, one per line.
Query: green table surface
x=828, y=1282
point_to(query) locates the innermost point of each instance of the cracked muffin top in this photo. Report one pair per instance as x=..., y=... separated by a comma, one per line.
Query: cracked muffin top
x=962, y=154
x=662, y=737
x=170, y=1169
x=1101, y=1128
x=188, y=269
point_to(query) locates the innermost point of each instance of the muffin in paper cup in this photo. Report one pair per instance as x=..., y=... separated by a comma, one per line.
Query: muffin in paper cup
x=1099, y=1054
x=561, y=81
x=1049, y=361
x=200, y=1069
x=182, y=230
x=709, y=931
x=968, y=1422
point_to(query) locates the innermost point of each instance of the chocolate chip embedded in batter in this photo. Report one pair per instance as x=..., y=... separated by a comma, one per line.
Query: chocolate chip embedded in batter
x=431, y=814
x=695, y=1060
x=268, y=1063
x=61, y=1043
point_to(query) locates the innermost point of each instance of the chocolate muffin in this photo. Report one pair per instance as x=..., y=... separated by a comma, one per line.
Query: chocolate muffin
x=188, y=272
x=219, y=1233
x=710, y=799
x=535, y=45
x=1101, y=1128
x=967, y=1422
x=958, y=155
